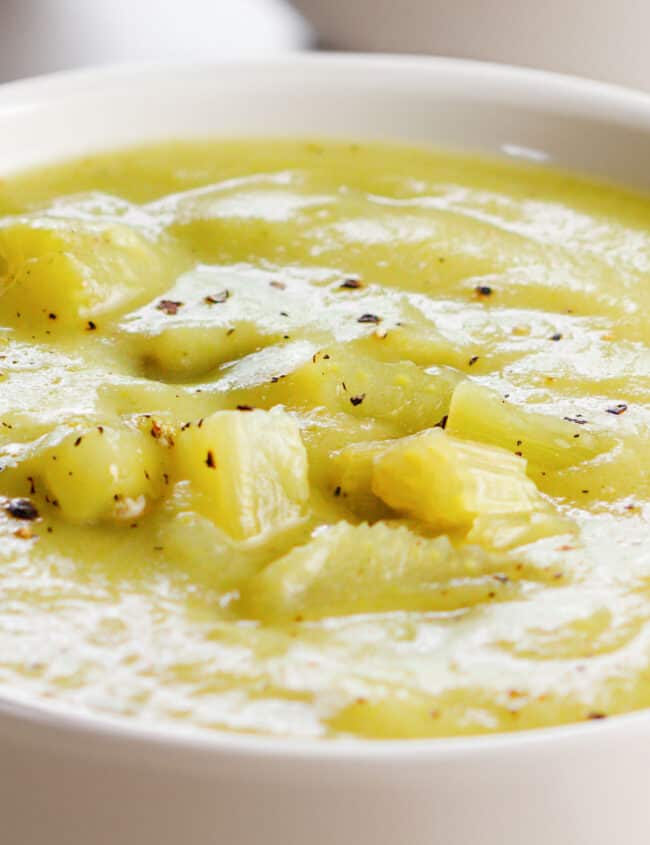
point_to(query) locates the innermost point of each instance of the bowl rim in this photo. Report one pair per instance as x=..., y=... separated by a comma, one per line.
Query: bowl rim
x=54, y=725
x=24, y=716
x=580, y=96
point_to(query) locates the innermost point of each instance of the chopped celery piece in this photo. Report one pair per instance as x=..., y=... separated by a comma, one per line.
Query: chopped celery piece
x=364, y=569
x=249, y=469
x=448, y=482
x=550, y=443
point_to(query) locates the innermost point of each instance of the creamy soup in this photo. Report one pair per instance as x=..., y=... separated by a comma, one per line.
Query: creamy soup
x=324, y=439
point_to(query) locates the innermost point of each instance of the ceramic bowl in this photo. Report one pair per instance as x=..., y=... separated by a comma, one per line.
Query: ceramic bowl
x=70, y=779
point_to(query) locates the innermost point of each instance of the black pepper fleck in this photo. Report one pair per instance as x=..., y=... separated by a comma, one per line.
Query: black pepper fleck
x=617, y=410
x=21, y=509
x=216, y=298
x=169, y=306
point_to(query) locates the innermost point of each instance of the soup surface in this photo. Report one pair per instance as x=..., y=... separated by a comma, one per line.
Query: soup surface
x=324, y=439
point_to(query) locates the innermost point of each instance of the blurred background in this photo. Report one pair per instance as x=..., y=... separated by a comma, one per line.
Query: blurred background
x=603, y=39
x=38, y=36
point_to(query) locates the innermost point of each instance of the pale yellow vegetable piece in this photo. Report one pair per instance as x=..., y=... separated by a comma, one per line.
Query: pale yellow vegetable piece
x=416, y=341
x=397, y=714
x=193, y=541
x=188, y=352
x=606, y=478
x=351, y=470
x=326, y=434
x=144, y=396
x=249, y=466
x=508, y=530
x=550, y=443
x=365, y=569
x=103, y=472
x=448, y=482
x=400, y=393
x=67, y=272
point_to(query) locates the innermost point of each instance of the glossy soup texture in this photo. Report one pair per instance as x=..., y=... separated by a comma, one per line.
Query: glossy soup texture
x=324, y=439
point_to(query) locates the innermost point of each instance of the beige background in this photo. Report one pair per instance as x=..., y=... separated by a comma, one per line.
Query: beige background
x=604, y=39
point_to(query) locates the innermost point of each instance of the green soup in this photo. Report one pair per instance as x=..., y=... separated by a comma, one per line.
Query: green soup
x=324, y=439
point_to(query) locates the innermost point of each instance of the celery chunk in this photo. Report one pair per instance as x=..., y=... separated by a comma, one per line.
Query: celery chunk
x=361, y=568
x=249, y=468
x=550, y=443
x=448, y=482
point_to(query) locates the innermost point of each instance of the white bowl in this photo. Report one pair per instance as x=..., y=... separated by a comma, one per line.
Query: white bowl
x=69, y=779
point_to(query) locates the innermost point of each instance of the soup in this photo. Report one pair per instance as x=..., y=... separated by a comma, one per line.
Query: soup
x=324, y=439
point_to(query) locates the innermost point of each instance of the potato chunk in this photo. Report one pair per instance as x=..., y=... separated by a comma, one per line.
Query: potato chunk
x=100, y=473
x=448, y=482
x=478, y=413
x=364, y=569
x=62, y=268
x=250, y=469
x=401, y=393
x=183, y=353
